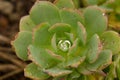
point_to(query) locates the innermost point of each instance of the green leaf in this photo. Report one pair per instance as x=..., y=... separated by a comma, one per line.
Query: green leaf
x=35, y=72
x=104, y=59
x=72, y=18
x=95, y=21
x=21, y=43
x=44, y=11
x=26, y=24
x=53, y=42
x=59, y=57
x=57, y=72
x=73, y=48
x=41, y=36
x=64, y=4
x=75, y=62
x=94, y=48
x=41, y=57
x=95, y=2
x=70, y=36
x=111, y=40
x=74, y=75
x=112, y=72
x=60, y=28
x=82, y=69
x=82, y=35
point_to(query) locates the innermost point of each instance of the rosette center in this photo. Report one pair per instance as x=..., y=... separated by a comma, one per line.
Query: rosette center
x=64, y=45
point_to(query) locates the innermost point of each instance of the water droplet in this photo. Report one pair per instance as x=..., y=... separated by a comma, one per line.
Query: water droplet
x=103, y=14
x=64, y=45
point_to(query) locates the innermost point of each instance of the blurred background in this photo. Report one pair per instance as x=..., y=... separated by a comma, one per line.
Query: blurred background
x=11, y=67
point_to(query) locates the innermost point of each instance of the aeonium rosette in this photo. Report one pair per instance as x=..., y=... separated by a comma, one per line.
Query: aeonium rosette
x=63, y=43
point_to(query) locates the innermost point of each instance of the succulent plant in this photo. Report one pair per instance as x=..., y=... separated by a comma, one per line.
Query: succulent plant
x=64, y=43
x=111, y=8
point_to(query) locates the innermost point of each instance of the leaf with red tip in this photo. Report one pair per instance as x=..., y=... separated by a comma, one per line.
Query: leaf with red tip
x=94, y=48
x=42, y=58
x=81, y=31
x=60, y=28
x=57, y=72
x=41, y=36
x=26, y=24
x=104, y=59
x=64, y=4
x=21, y=43
x=35, y=72
x=44, y=11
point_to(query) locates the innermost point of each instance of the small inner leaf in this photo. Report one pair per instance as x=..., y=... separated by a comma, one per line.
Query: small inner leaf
x=70, y=36
x=53, y=42
x=60, y=28
x=82, y=35
x=73, y=48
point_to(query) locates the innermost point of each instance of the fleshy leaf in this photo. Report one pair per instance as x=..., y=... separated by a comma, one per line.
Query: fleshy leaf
x=59, y=57
x=73, y=48
x=75, y=62
x=94, y=48
x=111, y=40
x=35, y=72
x=41, y=36
x=57, y=72
x=69, y=36
x=82, y=35
x=82, y=69
x=71, y=17
x=26, y=24
x=95, y=21
x=95, y=2
x=60, y=28
x=44, y=11
x=74, y=75
x=22, y=41
x=53, y=42
x=104, y=59
x=64, y=4
x=41, y=57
